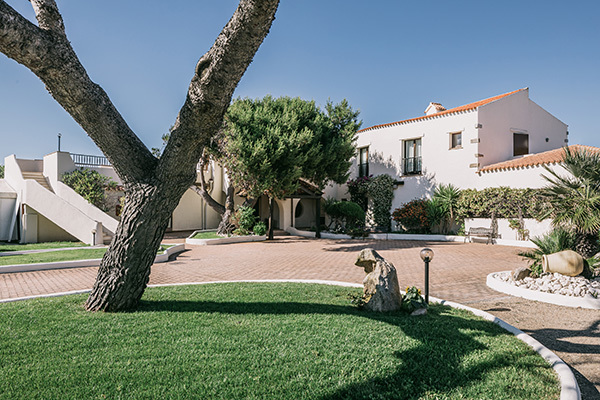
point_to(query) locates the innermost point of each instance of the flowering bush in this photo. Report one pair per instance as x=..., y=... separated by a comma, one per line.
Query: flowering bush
x=413, y=216
x=412, y=299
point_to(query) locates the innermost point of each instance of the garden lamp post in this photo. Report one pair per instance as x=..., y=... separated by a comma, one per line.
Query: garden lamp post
x=59, y=136
x=426, y=256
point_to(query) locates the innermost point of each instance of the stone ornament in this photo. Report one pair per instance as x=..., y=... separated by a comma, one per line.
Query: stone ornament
x=381, y=291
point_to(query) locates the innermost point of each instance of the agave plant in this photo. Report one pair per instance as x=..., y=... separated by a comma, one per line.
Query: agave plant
x=446, y=197
x=558, y=239
x=575, y=199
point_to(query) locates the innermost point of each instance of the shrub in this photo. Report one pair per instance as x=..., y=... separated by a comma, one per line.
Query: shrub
x=90, y=185
x=1, y=171
x=557, y=240
x=380, y=191
x=260, y=229
x=413, y=216
x=359, y=191
x=501, y=202
x=412, y=299
x=345, y=214
x=245, y=218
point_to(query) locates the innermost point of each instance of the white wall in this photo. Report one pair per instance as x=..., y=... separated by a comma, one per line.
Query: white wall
x=440, y=163
x=513, y=114
x=8, y=199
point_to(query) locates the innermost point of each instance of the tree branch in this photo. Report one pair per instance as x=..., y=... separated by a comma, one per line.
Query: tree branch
x=49, y=55
x=48, y=16
x=217, y=74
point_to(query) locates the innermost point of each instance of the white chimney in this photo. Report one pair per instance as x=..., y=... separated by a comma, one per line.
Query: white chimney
x=434, y=108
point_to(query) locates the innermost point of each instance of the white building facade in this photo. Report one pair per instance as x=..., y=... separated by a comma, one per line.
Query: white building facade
x=454, y=146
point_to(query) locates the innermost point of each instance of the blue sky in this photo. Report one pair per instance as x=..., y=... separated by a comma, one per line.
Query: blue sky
x=388, y=58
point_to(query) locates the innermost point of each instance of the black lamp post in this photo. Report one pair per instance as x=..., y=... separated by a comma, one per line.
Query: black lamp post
x=426, y=256
x=59, y=136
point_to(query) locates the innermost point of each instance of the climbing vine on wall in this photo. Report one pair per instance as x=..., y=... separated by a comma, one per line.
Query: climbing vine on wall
x=375, y=195
x=502, y=202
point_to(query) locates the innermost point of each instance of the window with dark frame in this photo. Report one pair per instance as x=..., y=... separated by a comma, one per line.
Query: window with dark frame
x=411, y=157
x=456, y=140
x=520, y=144
x=363, y=162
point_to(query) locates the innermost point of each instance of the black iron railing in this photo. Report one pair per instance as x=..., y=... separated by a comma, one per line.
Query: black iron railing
x=411, y=165
x=86, y=160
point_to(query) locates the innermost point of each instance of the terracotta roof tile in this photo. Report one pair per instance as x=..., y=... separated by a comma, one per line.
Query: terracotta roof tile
x=547, y=157
x=466, y=107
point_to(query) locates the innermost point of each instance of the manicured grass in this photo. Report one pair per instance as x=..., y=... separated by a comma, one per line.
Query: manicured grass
x=260, y=341
x=38, y=246
x=53, y=256
x=62, y=255
x=206, y=235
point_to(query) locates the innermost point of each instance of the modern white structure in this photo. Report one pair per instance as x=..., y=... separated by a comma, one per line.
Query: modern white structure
x=36, y=206
x=460, y=146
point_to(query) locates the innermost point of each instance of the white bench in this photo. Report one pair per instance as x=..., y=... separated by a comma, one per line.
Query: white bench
x=487, y=233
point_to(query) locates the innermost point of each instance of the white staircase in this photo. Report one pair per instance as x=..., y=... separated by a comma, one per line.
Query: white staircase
x=39, y=178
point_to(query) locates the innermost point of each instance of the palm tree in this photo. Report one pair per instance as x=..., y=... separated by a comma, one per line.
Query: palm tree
x=575, y=199
x=446, y=196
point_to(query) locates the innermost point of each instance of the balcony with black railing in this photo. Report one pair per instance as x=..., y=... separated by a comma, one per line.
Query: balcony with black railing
x=86, y=160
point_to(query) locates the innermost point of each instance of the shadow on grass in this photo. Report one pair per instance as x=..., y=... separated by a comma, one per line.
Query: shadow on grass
x=436, y=365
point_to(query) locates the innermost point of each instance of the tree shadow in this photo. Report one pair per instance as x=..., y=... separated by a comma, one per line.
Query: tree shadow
x=436, y=364
x=352, y=245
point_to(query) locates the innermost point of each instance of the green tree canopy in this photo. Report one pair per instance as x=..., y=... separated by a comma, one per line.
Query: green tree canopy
x=269, y=144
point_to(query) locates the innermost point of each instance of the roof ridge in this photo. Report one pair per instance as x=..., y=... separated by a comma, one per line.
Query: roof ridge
x=466, y=107
x=535, y=159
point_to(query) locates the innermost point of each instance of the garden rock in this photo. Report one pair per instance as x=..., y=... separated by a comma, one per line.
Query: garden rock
x=381, y=291
x=520, y=273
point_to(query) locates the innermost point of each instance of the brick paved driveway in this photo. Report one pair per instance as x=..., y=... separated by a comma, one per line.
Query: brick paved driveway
x=457, y=271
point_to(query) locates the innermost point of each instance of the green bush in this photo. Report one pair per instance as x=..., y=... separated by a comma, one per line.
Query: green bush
x=1, y=171
x=245, y=218
x=90, y=185
x=413, y=216
x=501, y=202
x=380, y=190
x=558, y=239
x=412, y=299
x=260, y=229
x=345, y=215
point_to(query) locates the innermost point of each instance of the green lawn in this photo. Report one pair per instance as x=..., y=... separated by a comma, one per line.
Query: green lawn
x=207, y=235
x=260, y=341
x=61, y=255
x=38, y=246
x=53, y=256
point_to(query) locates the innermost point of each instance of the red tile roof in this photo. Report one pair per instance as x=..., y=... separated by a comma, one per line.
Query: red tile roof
x=466, y=107
x=530, y=160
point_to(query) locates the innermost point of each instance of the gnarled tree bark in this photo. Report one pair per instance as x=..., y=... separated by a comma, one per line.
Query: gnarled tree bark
x=153, y=187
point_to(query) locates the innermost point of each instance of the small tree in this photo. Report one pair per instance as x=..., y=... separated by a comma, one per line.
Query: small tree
x=90, y=185
x=269, y=144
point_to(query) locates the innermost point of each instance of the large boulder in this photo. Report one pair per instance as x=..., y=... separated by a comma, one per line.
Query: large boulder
x=381, y=291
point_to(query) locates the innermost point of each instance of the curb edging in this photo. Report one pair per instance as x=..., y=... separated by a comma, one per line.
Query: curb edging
x=558, y=299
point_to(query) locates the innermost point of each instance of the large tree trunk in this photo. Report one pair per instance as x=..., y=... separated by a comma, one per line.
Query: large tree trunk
x=125, y=268
x=153, y=187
